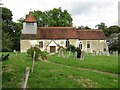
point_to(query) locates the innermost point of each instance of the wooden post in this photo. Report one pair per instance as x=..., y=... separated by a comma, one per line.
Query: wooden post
x=25, y=78
x=33, y=62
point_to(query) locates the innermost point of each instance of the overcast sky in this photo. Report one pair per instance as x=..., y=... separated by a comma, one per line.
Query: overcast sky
x=84, y=12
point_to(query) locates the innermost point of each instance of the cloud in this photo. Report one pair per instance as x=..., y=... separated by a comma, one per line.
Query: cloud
x=83, y=12
x=78, y=8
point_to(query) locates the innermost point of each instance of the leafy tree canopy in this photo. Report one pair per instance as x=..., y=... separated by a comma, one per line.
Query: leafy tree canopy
x=84, y=27
x=10, y=31
x=55, y=17
x=101, y=26
x=6, y=14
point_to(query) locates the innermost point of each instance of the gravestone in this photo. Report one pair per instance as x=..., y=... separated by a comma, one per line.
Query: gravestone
x=75, y=55
x=82, y=55
x=93, y=52
x=99, y=52
x=67, y=54
x=63, y=54
x=58, y=53
x=108, y=54
x=104, y=51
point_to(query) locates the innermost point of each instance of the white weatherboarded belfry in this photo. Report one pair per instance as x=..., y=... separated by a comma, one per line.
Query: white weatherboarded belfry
x=51, y=38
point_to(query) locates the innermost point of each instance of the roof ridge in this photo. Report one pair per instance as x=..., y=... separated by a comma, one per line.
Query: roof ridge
x=89, y=30
x=55, y=27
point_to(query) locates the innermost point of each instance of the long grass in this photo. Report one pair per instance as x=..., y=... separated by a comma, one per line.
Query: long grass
x=48, y=75
x=103, y=63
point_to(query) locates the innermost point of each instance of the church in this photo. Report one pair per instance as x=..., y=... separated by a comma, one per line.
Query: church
x=51, y=38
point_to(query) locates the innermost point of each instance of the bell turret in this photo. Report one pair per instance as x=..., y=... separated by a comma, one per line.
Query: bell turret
x=29, y=24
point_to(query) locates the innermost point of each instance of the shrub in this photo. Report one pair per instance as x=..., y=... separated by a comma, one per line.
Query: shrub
x=78, y=50
x=38, y=53
x=71, y=48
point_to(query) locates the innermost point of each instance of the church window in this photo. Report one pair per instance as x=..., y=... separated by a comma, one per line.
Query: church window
x=80, y=45
x=41, y=44
x=88, y=44
x=67, y=43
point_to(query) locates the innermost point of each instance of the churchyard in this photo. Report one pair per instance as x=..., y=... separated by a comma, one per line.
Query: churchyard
x=99, y=71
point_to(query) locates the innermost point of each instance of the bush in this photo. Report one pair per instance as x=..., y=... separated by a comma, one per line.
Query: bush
x=38, y=53
x=78, y=50
x=71, y=48
x=74, y=49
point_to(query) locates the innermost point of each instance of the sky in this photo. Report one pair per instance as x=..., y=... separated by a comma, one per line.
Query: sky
x=84, y=12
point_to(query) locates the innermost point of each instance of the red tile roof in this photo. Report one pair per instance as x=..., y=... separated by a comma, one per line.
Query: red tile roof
x=62, y=32
x=65, y=33
x=30, y=18
x=56, y=33
x=91, y=34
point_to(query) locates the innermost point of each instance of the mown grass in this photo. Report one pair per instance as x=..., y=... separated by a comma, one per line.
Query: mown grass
x=48, y=75
x=13, y=70
x=103, y=63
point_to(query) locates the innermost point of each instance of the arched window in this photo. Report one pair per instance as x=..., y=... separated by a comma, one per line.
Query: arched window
x=80, y=45
x=88, y=44
x=67, y=43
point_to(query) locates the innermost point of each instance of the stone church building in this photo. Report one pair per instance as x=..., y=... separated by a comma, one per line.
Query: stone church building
x=50, y=38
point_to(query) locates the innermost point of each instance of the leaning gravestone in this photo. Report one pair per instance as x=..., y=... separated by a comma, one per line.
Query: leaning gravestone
x=82, y=56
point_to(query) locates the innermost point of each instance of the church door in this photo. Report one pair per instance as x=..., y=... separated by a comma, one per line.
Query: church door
x=52, y=49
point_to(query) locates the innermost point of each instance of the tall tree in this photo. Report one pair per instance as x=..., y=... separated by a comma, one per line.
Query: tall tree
x=83, y=27
x=6, y=14
x=101, y=26
x=112, y=29
x=113, y=42
x=10, y=31
x=7, y=42
x=54, y=17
